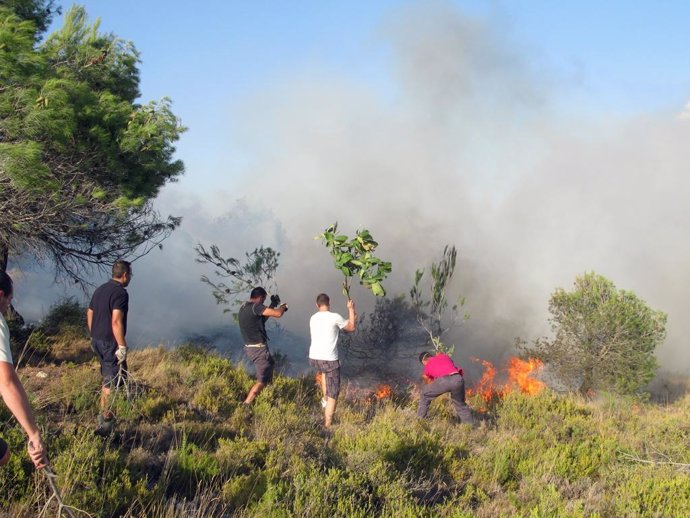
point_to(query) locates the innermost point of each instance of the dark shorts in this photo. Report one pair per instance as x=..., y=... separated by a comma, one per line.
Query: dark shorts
x=105, y=351
x=330, y=369
x=4, y=448
x=263, y=363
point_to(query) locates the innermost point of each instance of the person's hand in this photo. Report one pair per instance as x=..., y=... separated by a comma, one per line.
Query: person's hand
x=37, y=452
x=121, y=353
x=351, y=304
x=284, y=306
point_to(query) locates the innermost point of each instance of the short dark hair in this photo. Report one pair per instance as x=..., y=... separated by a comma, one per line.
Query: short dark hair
x=6, y=285
x=257, y=292
x=121, y=267
x=323, y=300
x=424, y=356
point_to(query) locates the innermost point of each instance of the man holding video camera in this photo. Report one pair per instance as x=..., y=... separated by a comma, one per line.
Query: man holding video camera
x=252, y=318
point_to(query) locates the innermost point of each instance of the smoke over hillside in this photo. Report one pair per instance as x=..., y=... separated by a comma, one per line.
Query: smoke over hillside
x=470, y=146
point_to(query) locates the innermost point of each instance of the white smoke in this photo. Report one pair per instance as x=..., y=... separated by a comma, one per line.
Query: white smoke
x=470, y=149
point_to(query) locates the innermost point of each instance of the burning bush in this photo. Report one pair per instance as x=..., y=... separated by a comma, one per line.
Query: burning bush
x=518, y=375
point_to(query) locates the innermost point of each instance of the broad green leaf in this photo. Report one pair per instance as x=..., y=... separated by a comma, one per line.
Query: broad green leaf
x=378, y=290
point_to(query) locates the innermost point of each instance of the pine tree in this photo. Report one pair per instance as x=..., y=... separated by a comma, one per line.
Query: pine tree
x=604, y=338
x=80, y=158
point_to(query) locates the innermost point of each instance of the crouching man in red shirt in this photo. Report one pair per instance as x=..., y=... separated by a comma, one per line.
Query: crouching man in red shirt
x=443, y=376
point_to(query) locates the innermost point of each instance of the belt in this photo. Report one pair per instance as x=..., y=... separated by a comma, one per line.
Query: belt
x=255, y=345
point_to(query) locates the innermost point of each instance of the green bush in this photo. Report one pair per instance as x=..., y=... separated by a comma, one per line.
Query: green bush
x=333, y=493
x=155, y=407
x=217, y=396
x=191, y=469
x=243, y=490
x=78, y=389
x=537, y=414
x=16, y=475
x=241, y=455
x=650, y=491
x=93, y=475
x=65, y=315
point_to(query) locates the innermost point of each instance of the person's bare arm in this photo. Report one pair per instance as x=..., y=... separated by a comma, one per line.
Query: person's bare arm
x=275, y=312
x=352, y=317
x=15, y=398
x=118, y=323
x=89, y=318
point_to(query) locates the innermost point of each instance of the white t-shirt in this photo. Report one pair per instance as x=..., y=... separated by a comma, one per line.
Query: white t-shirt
x=324, y=327
x=5, y=352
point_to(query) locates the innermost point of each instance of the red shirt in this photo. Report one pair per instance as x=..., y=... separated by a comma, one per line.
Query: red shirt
x=440, y=365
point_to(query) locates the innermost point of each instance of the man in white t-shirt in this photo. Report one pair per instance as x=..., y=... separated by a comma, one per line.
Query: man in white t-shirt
x=324, y=326
x=11, y=387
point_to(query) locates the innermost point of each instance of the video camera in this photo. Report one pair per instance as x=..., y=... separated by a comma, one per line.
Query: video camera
x=275, y=302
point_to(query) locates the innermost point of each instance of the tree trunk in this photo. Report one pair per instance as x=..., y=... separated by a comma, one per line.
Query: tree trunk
x=587, y=386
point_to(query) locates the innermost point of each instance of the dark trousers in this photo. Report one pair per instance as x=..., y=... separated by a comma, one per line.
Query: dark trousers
x=455, y=384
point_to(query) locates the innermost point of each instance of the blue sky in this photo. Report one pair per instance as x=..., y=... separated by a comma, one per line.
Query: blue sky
x=620, y=57
x=544, y=139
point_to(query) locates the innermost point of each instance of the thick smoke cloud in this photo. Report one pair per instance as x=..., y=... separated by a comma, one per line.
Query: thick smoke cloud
x=469, y=148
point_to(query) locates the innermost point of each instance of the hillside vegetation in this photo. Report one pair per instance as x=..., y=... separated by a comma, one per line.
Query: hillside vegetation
x=184, y=446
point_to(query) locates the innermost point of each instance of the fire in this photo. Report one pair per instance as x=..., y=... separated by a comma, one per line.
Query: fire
x=383, y=391
x=519, y=376
x=485, y=386
x=519, y=373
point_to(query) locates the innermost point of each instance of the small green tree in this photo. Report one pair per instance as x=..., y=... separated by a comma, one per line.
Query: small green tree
x=604, y=338
x=432, y=312
x=237, y=278
x=355, y=257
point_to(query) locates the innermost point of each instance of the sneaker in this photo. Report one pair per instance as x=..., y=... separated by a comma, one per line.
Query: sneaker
x=324, y=402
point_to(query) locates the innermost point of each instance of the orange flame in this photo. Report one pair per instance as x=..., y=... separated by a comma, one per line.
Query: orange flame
x=485, y=386
x=520, y=372
x=519, y=376
x=383, y=391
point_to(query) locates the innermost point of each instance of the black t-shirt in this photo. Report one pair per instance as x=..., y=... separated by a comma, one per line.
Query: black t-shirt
x=107, y=297
x=252, y=324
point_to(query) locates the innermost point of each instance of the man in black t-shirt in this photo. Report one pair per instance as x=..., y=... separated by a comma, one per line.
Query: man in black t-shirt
x=107, y=321
x=252, y=318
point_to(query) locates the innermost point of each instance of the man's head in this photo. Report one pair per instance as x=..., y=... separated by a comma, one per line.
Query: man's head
x=424, y=357
x=122, y=271
x=258, y=294
x=6, y=291
x=323, y=300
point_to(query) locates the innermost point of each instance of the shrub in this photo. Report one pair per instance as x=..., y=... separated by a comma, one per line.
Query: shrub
x=241, y=455
x=78, y=389
x=15, y=476
x=649, y=491
x=242, y=490
x=93, y=475
x=604, y=337
x=191, y=469
x=216, y=395
x=65, y=314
